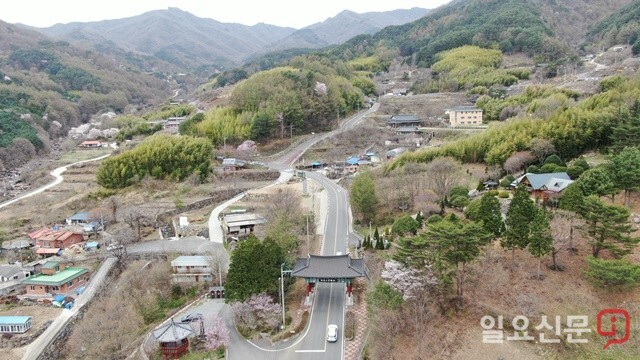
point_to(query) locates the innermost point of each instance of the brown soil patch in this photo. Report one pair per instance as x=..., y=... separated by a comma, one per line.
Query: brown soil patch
x=40, y=314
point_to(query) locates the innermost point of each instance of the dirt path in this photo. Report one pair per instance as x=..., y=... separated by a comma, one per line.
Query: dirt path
x=57, y=174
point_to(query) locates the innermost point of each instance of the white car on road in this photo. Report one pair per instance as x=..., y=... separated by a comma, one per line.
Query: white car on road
x=332, y=333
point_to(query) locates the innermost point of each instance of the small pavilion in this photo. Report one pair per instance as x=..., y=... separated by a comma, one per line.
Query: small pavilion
x=173, y=338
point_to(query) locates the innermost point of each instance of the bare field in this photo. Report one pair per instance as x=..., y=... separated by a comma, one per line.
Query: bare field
x=81, y=155
x=40, y=314
x=54, y=204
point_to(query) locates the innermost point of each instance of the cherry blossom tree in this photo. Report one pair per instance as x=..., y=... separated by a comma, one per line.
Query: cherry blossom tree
x=216, y=334
x=407, y=281
x=258, y=312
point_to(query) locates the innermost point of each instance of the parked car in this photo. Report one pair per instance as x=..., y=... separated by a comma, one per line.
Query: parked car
x=191, y=317
x=114, y=247
x=332, y=333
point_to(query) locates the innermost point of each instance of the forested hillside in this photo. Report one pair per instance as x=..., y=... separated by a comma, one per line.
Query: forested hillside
x=528, y=26
x=622, y=27
x=304, y=96
x=595, y=123
x=48, y=87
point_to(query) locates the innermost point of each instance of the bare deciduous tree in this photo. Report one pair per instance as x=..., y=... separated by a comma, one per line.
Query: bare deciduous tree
x=114, y=203
x=562, y=224
x=112, y=324
x=20, y=151
x=443, y=174
x=518, y=161
x=541, y=148
x=219, y=263
x=285, y=203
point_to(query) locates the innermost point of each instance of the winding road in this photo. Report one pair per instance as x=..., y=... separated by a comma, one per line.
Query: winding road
x=57, y=175
x=329, y=299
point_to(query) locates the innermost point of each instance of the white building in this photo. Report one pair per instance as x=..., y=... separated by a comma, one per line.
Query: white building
x=14, y=324
x=192, y=269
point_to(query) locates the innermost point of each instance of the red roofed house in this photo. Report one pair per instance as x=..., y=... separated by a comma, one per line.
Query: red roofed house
x=49, y=238
x=91, y=144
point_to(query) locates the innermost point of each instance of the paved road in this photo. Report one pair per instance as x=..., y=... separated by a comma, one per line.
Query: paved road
x=34, y=349
x=186, y=245
x=57, y=175
x=329, y=299
x=215, y=227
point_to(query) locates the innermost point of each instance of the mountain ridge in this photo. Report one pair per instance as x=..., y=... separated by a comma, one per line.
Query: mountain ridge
x=188, y=41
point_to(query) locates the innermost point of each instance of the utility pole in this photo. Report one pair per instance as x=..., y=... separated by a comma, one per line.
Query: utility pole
x=282, y=293
x=291, y=131
x=338, y=112
x=313, y=200
x=308, y=243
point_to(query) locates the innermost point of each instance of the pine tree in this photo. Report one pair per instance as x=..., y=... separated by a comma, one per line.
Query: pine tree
x=518, y=222
x=412, y=252
x=254, y=269
x=491, y=215
x=540, y=239
x=363, y=196
x=626, y=132
x=420, y=219
x=376, y=235
x=625, y=171
x=608, y=226
x=452, y=244
x=380, y=244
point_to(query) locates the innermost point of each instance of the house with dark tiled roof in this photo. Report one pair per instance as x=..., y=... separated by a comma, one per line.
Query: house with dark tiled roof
x=12, y=272
x=232, y=164
x=241, y=224
x=395, y=152
x=400, y=121
x=408, y=130
x=325, y=267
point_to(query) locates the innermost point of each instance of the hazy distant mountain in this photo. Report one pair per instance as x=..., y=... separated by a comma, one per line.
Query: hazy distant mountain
x=345, y=26
x=175, y=36
x=190, y=42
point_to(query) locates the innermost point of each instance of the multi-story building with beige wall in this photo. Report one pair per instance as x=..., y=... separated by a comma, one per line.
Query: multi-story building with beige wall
x=464, y=116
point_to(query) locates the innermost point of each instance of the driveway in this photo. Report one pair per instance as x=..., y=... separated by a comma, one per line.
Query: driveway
x=185, y=245
x=36, y=348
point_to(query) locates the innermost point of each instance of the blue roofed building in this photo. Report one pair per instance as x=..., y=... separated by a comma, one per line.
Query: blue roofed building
x=83, y=217
x=14, y=324
x=544, y=186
